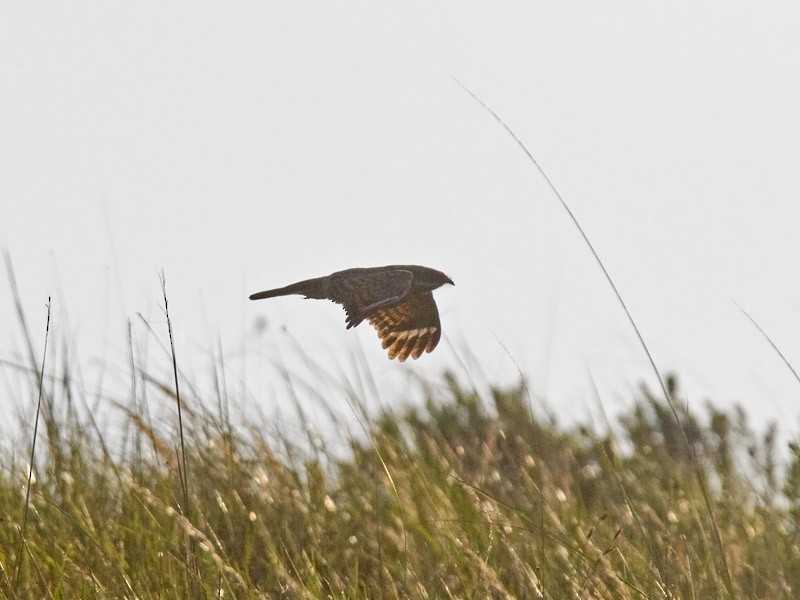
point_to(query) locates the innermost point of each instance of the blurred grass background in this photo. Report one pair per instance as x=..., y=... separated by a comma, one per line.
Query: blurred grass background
x=464, y=494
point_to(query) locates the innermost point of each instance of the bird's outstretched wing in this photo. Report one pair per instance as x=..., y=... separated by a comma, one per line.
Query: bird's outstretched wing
x=363, y=291
x=410, y=327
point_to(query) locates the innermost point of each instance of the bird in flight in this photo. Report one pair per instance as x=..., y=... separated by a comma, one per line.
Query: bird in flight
x=397, y=301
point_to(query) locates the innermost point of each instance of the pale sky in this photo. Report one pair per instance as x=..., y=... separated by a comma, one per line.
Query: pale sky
x=245, y=145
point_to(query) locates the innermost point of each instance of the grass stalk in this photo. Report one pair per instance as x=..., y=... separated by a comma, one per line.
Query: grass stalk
x=26, y=508
x=182, y=470
x=717, y=535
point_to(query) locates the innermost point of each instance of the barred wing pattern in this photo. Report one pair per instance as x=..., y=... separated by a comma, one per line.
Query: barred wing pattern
x=410, y=327
x=363, y=291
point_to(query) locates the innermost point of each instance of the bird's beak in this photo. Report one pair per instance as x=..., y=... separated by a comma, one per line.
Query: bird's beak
x=450, y=281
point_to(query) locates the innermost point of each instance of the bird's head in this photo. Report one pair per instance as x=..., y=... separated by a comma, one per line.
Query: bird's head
x=427, y=278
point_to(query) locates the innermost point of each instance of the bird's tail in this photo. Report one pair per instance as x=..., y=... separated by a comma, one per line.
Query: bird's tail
x=310, y=288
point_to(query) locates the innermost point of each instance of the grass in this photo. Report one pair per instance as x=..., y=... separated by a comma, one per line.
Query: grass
x=466, y=494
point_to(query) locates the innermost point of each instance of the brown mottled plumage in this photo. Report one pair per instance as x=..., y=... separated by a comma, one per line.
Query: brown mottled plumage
x=397, y=301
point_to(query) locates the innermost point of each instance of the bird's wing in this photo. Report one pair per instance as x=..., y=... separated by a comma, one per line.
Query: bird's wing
x=410, y=327
x=363, y=291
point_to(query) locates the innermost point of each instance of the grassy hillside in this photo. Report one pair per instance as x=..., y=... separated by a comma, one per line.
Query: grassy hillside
x=466, y=495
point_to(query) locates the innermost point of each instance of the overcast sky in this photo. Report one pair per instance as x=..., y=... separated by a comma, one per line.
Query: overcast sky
x=245, y=145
